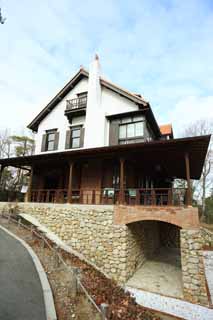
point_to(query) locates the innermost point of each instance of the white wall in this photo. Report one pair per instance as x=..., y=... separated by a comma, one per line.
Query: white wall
x=57, y=119
x=97, y=129
x=111, y=104
x=95, y=117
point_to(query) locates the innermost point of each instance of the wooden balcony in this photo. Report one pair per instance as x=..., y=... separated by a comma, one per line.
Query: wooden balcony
x=76, y=106
x=110, y=196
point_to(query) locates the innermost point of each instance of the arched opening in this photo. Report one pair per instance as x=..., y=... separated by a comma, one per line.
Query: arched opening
x=154, y=257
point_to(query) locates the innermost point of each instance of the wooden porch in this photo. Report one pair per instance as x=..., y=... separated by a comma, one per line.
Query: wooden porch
x=110, y=181
x=132, y=174
x=110, y=196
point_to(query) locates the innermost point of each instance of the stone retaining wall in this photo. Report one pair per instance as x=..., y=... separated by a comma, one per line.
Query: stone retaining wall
x=142, y=242
x=194, y=286
x=169, y=235
x=207, y=237
x=118, y=249
x=87, y=229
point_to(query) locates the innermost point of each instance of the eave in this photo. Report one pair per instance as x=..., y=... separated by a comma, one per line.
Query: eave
x=60, y=95
x=169, y=153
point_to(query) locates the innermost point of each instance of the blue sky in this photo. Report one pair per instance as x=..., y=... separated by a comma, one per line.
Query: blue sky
x=162, y=49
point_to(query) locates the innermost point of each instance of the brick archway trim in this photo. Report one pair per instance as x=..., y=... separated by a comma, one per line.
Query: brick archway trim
x=183, y=217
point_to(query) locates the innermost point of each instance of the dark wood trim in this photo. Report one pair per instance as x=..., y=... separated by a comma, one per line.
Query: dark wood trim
x=54, y=130
x=74, y=113
x=68, y=139
x=162, y=151
x=114, y=132
x=121, y=194
x=43, y=143
x=29, y=191
x=141, y=196
x=63, y=92
x=59, y=96
x=148, y=115
x=126, y=114
x=69, y=192
x=82, y=93
x=56, y=140
x=189, y=191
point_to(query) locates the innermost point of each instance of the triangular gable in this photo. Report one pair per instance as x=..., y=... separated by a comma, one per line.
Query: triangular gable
x=59, y=96
x=82, y=73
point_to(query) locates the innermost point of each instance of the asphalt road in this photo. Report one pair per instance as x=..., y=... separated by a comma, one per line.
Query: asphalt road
x=21, y=295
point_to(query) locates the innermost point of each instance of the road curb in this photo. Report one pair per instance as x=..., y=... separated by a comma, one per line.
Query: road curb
x=47, y=292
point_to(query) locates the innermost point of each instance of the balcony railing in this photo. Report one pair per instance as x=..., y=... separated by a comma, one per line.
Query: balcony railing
x=78, y=103
x=133, y=196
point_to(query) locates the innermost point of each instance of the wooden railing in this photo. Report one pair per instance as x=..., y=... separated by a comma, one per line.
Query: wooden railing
x=77, y=103
x=156, y=196
x=49, y=195
x=132, y=196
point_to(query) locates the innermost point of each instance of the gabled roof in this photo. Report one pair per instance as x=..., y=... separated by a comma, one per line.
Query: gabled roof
x=166, y=129
x=82, y=73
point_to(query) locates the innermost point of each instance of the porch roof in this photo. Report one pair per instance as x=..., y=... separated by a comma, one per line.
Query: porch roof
x=168, y=155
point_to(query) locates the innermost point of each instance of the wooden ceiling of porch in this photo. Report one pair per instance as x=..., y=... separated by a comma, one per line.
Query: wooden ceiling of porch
x=166, y=155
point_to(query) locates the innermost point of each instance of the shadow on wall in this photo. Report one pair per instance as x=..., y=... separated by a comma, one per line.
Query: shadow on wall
x=147, y=238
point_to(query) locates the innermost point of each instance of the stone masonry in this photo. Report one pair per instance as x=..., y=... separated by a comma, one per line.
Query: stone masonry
x=207, y=237
x=117, y=249
x=194, y=285
x=89, y=230
x=142, y=242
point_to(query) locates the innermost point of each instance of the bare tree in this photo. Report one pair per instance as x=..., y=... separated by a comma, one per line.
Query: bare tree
x=5, y=144
x=203, y=127
x=14, y=178
x=23, y=146
x=2, y=20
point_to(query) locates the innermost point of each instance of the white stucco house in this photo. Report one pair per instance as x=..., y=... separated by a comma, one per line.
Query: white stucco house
x=102, y=157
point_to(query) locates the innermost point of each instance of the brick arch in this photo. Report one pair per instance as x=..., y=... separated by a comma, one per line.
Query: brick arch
x=158, y=219
x=183, y=217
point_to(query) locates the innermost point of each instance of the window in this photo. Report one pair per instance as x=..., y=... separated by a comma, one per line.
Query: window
x=75, y=137
x=50, y=142
x=131, y=130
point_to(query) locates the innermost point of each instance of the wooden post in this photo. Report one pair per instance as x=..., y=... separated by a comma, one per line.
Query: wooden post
x=189, y=191
x=47, y=196
x=153, y=197
x=137, y=199
x=69, y=192
x=38, y=198
x=57, y=196
x=170, y=196
x=121, y=194
x=29, y=191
